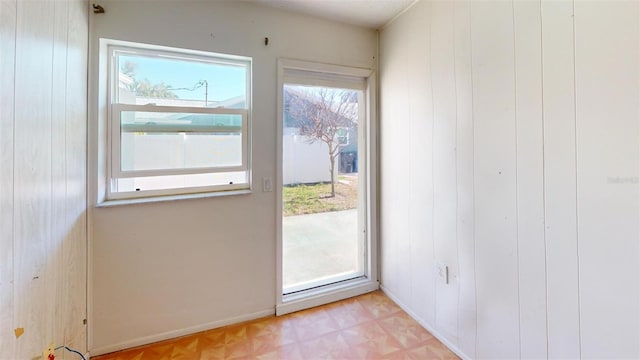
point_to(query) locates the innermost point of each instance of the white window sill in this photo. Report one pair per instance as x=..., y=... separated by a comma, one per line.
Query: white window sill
x=156, y=199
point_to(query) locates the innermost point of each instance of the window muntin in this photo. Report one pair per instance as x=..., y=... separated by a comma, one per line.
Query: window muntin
x=170, y=139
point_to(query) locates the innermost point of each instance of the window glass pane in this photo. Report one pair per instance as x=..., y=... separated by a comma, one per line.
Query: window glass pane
x=174, y=81
x=161, y=141
x=180, y=181
x=322, y=187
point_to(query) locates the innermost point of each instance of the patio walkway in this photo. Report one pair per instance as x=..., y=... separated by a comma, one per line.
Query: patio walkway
x=319, y=245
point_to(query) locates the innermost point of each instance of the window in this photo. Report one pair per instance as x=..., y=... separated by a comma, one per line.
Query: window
x=342, y=135
x=178, y=122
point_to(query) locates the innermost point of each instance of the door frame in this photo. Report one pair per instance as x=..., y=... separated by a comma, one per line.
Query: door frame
x=333, y=292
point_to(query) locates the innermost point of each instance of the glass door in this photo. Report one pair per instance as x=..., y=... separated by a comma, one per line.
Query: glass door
x=323, y=217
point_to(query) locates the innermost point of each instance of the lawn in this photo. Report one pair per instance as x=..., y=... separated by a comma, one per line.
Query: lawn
x=316, y=198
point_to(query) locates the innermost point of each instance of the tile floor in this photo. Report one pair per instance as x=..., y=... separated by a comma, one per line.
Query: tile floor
x=369, y=326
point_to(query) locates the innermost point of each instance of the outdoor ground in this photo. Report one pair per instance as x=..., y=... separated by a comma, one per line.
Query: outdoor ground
x=317, y=246
x=320, y=232
x=316, y=198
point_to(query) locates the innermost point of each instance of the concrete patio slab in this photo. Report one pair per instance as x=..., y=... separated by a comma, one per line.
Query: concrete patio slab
x=317, y=246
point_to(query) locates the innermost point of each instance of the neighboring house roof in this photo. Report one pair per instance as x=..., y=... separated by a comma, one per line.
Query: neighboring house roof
x=124, y=80
x=237, y=102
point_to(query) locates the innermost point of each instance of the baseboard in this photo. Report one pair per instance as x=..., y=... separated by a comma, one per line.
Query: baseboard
x=179, y=332
x=429, y=328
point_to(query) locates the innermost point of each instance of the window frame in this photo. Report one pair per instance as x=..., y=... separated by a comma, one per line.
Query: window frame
x=113, y=149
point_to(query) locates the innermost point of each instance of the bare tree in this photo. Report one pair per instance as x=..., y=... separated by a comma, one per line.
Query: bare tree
x=320, y=114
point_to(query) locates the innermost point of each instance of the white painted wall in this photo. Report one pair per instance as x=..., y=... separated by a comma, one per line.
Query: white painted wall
x=522, y=122
x=159, y=270
x=43, y=235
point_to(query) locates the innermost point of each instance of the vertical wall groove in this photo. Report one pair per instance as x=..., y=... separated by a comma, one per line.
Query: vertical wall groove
x=575, y=139
x=515, y=149
x=432, y=140
x=13, y=176
x=464, y=177
x=457, y=186
x=544, y=193
x=473, y=170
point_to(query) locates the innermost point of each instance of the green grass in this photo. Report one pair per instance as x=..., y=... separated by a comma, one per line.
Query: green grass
x=316, y=198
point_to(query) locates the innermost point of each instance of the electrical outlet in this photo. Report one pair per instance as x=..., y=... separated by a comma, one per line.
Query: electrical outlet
x=442, y=271
x=49, y=353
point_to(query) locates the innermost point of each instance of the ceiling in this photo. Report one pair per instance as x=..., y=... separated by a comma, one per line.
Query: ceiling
x=367, y=13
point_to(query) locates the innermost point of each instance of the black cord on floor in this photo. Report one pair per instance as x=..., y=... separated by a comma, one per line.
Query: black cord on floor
x=71, y=350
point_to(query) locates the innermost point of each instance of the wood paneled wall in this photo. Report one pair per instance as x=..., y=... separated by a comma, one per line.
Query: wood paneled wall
x=509, y=152
x=43, y=87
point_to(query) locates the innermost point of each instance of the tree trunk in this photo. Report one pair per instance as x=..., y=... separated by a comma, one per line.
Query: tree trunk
x=332, y=159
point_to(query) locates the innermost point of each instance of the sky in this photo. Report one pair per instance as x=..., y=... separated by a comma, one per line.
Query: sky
x=225, y=81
